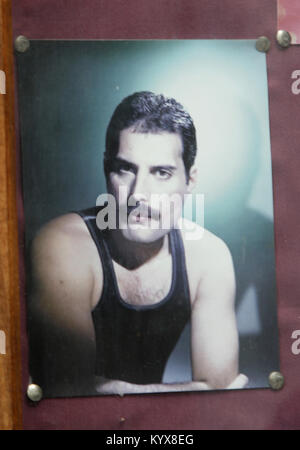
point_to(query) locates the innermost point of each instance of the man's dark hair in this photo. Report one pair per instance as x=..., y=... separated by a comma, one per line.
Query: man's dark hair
x=150, y=113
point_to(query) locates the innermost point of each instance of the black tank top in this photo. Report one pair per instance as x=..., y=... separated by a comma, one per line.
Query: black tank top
x=133, y=343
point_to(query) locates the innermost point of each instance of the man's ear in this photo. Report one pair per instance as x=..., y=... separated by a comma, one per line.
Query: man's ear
x=192, y=178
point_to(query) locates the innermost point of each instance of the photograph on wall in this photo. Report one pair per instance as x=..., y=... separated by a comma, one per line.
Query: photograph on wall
x=148, y=216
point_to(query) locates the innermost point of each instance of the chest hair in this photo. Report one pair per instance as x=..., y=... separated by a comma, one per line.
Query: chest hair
x=146, y=285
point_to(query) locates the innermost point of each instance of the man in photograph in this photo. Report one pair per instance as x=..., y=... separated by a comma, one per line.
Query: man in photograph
x=108, y=305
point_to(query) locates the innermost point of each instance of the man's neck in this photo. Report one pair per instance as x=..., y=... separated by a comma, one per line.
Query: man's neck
x=132, y=255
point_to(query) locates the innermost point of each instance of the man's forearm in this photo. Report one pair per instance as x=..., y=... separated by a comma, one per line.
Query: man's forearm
x=119, y=387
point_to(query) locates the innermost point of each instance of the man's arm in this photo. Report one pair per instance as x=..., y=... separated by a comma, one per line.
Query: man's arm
x=108, y=387
x=59, y=320
x=214, y=336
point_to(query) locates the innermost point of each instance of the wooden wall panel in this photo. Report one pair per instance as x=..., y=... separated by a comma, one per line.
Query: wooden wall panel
x=10, y=364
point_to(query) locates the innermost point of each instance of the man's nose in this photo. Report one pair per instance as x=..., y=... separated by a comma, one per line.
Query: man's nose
x=139, y=188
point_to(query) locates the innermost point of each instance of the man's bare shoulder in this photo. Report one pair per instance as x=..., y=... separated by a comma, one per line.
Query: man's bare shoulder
x=59, y=244
x=64, y=254
x=63, y=230
x=199, y=241
x=63, y=240
x=207, y=256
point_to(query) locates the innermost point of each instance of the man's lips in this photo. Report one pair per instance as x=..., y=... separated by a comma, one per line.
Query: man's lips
x=142, y=214
x=140, y=218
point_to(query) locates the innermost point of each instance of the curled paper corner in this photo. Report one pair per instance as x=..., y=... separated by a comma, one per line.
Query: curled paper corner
x=281, y=10
x=294, y=38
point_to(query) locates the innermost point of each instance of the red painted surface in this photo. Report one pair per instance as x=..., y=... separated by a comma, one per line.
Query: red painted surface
x=236, y=19
x=289, y=18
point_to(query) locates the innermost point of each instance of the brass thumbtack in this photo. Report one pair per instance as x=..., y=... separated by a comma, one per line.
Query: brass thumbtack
x=34, y=393
x=263, y=44
x=276, y=380
x=284, y=38
x=22, y=44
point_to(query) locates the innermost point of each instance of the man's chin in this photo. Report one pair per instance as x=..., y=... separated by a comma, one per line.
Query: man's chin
x=143, y=235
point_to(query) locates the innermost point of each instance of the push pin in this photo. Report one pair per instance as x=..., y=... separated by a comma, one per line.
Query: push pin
x=263, y=44
x=283, y=38
x=276, y=380
x=22, y=44
x=34, y=393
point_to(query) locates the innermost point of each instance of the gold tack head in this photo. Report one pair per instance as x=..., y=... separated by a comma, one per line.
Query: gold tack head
x=276, y=380
x=22, y=44
x=263, y=44
x=34, y=393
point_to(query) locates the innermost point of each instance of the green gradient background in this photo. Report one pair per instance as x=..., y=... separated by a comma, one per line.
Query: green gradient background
x=67, y=93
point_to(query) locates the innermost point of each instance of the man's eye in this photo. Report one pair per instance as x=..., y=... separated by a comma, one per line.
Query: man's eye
x=124, y=168
x=163, y=174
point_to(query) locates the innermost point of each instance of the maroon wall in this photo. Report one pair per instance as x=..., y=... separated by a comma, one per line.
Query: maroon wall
x=169, y=19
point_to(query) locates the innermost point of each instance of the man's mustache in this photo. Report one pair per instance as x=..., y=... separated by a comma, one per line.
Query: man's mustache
x=143, y=210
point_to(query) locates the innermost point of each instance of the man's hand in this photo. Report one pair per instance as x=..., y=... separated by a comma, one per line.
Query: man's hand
x=240, y=382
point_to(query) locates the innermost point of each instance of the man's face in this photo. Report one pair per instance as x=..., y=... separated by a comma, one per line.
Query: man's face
x=147, y=174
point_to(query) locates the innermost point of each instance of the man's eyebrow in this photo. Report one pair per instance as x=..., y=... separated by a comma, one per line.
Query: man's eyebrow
x=119, y=160
x=164, y=166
